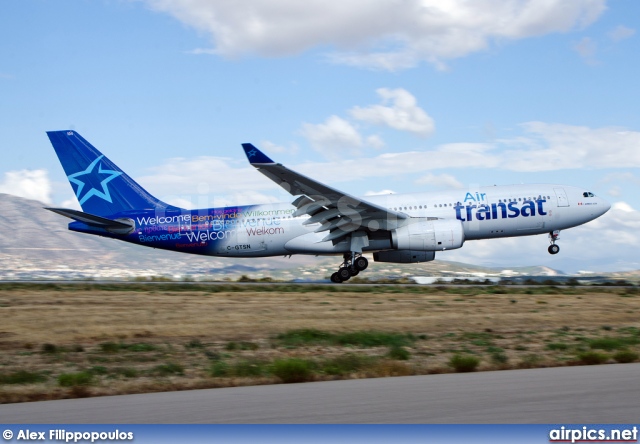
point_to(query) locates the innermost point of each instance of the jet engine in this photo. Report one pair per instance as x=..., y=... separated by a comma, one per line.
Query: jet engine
x=429, y=235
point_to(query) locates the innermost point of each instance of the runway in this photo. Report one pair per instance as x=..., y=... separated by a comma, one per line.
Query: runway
x=589, y=394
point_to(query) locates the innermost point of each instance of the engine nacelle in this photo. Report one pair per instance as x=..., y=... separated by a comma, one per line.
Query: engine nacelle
x=404, y=256
x=429, y=235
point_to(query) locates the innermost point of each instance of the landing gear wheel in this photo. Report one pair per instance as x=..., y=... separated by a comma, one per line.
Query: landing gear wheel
x=335, y=278
x=361, y=263
x=344, y=274
x=553, y=249
x=353, y=271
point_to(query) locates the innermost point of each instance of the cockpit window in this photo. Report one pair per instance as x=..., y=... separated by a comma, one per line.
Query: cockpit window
x=588, y=194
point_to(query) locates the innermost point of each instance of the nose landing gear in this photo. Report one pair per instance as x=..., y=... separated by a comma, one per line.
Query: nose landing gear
x=353, y=264
x=553, y=248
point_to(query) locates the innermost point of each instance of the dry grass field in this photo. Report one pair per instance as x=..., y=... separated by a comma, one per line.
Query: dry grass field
x=61, y=341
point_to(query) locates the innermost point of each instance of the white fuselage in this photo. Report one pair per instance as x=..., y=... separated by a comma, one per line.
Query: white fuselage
x=485, y=213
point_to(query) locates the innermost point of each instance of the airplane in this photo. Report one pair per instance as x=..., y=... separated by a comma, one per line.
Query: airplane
x=321, y=220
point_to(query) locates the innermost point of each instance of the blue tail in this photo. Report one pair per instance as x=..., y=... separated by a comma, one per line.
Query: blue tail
x=101, y=187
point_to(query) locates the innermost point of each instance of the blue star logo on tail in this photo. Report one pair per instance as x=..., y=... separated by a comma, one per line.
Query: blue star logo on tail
x=252, y=153
x=92, y=177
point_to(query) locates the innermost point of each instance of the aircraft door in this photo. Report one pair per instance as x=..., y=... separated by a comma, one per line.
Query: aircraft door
x=563, y=201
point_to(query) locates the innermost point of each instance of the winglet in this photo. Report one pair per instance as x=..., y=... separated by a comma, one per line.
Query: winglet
x=254, y=155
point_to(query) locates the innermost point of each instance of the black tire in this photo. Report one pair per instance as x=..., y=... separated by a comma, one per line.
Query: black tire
x=344, y=274
x=553, y=249
x=361, y=263
x=353, y=271
x=335, y=278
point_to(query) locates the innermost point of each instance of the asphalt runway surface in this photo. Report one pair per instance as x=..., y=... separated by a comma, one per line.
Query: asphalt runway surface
x=589, y=394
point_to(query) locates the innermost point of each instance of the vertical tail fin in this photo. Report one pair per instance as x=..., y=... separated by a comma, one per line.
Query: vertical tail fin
x=101, y=187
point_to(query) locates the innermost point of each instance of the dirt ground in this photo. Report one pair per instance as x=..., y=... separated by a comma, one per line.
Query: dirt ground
x=156, y=338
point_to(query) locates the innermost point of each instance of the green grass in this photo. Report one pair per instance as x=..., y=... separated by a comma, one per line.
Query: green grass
x=374, y=339
x=369, y=338
x=167, y=370
x=49, y=349
x=113, y=347
x=305, y=336
x=464, y=363
x=399, y=353
x=127, y=372
x=22, y=377
x=499, y=358
x=194, y=343
x=557, y=346
x=242, y=345
x=243, y=369
x=592, y=358
x=292, y=370
x=625, y=356
x=75, y=379
x=613, y=343
x=110, y=347
x=219, y=369
x=98, y=370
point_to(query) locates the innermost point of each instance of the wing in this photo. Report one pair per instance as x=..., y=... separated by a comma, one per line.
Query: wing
x=338, y=213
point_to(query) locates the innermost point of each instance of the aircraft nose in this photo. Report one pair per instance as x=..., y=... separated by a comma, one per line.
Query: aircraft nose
x=605, y=206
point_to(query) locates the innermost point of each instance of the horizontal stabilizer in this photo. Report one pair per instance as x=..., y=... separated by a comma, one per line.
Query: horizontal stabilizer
x=120, y=226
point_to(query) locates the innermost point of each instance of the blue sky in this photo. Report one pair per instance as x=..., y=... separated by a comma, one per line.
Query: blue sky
x=367, y=96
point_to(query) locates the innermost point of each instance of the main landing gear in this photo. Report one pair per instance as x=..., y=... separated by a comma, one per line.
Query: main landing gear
x=553, y=248
x=353, y=264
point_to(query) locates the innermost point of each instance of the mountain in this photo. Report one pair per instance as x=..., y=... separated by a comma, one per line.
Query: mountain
x=36, y=244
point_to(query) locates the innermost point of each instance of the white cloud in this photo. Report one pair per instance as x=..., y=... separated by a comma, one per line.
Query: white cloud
x=621, y=177
x=461, y=155
x=403, y=114
x=554, y=146
x=399, y=110
x=389, y=35
x=71, y=203
x=270, y=147
x=621, y=33
x=379, y=193
x=541, y=147
x=335, y=135
x=440, y=181
x=587, y=49
x=618, y=178
x=614, y=192
x=209, y=181
x=30, y=184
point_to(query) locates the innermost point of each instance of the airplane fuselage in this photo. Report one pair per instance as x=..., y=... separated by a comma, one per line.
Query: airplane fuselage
x=274, y=229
